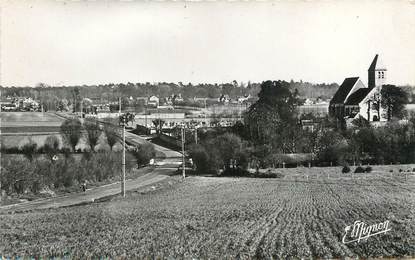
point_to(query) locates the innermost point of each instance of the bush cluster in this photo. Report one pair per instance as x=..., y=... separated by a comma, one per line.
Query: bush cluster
x=346, y=169
x=20, y=175
x=359, y=169
x=143, y=153
x=225, y=154
x=268, y=174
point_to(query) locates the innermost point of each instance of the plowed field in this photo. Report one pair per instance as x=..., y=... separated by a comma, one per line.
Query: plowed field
x=226, y=217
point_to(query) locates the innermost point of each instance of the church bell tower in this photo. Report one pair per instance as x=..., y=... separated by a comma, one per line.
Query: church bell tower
x=376, y=73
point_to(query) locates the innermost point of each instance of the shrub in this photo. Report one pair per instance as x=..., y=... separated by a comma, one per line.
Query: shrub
x=71, y=132
x=87, y=156
x=29, y=150
x=93, y=132
x=243, y=160
x=230, y=151
x=268, y=174
x=359, y=169
x=346, y=169
x=400, y=170
x=51, y=146
x=390, y=170
x=20, y=175
x=368, y=169
x=200, y=157
x=235, y=172
x=143, y=153
x=111, y=133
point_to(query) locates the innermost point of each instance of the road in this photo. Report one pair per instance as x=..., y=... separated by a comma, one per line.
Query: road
x=135, y=139
x=167, y=164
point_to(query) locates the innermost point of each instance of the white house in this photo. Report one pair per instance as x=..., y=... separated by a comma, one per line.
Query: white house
x=153, y=101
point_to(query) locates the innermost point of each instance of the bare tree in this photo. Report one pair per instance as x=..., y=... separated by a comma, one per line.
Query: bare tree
x=51, y=146
x=29, y=150
x=71, y=130
x=158, y=123
x=93, y=132
x=112, y=134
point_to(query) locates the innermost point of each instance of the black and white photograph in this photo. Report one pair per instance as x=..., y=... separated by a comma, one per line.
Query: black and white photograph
x=251, y=129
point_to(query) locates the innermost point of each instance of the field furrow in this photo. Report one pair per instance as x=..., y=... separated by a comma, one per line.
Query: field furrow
x=220, y=218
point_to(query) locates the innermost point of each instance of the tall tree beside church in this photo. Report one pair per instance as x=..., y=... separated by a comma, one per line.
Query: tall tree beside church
x=393, y=101
x=274, y=111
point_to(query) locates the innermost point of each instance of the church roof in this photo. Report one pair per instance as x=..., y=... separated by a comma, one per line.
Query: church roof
x=344, y=90
x=358, y=96
x=377, y=64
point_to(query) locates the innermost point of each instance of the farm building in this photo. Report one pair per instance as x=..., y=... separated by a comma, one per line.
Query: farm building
x=353, y=99
x=153, y=101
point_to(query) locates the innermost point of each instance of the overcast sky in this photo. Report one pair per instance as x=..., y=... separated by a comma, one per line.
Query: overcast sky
x=66, y=43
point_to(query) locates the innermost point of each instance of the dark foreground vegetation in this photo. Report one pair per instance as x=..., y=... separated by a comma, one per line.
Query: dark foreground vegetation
x=21, y=176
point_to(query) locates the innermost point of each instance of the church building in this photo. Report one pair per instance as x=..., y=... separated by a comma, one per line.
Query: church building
x=353, y=99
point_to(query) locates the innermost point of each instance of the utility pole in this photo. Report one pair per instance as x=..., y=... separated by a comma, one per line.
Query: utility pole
x=119, y=106
x=240, y=111
x=183, y=159
x=205, y=112
x=123, y=160
x=145, y=112
x=123, y=121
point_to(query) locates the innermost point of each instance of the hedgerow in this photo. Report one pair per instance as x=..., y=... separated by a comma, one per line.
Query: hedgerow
x=20, y=175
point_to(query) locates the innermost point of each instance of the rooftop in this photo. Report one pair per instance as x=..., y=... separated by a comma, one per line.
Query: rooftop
x=344, y=90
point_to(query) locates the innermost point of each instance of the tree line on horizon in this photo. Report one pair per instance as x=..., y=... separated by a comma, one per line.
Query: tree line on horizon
x=50, y=95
